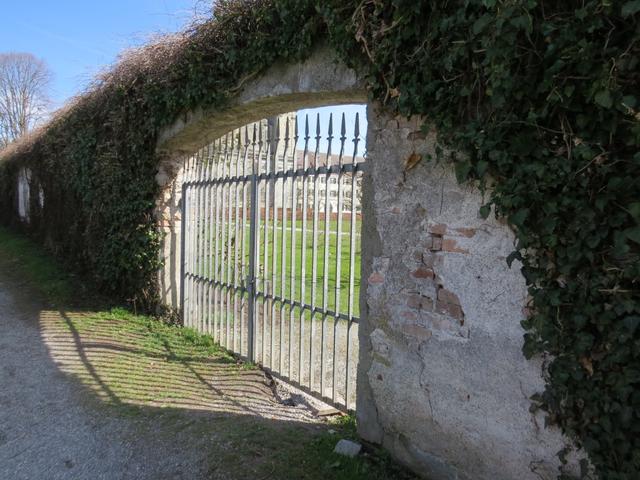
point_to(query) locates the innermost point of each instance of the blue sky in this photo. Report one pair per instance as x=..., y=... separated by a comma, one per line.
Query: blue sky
x=79, y=38
x=350, y=112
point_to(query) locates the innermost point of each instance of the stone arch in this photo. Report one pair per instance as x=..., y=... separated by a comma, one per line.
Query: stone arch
x=442, y=382
x=321, y=80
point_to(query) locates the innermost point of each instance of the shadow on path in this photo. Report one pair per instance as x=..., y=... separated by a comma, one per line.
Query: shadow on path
x=89, y=396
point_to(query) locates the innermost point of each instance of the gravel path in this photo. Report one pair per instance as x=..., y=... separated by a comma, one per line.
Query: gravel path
x=53, y=427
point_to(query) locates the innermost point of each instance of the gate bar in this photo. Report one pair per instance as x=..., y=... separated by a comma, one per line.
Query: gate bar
x=224, y=281
x=251, y=280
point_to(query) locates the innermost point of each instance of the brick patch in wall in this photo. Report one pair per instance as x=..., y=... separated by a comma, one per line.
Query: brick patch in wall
x=423, y=272
x=451, y=310
x=439, y=238
x=419, y=302
x=436, y=243
x=466, y=232
x=450, y=245
x=417, y=331
x=446, y=296
x=409, y=315
x=438, y=229
x=376, y=278
x=448, y=303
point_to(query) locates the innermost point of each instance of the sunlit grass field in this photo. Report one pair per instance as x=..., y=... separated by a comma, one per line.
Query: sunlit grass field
x=323, y=272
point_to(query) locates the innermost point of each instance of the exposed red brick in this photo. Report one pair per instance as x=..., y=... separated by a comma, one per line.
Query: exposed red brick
x=396, y=210
x=447, y=296
x=409, y=315
x=423, y=272
x=450, y=245
x=442, y=307
x=376, y=278
x=417, y=331
x=419, y=302
x=438, y=229
x=466, y=232
x=454, y=311
x=457, y=313
x=441, y=323
x=414, y=301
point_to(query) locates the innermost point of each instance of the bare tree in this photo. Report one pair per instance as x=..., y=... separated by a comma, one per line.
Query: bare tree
x=24, y=101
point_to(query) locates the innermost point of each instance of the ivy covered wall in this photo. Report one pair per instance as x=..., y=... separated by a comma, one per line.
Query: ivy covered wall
x=541, y=96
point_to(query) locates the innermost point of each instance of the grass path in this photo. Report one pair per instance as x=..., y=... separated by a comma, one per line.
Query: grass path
x=101, y=393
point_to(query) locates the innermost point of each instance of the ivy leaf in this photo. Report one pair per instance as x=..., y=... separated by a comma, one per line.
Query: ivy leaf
x=633, y=234
x=603, y=98
x=587, y=364
x=481, y=167
x=593, y=241
x=485, y=210
x=631, y=323
x=462, y=170
x=411, y=161
x=630, y=8
x=629, y=100
x=513, y=256
x=530, y=347
x=481, y=23
x=634, y=210
x=519, y=217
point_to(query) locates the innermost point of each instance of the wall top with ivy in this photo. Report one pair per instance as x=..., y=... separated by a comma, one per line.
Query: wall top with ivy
x=542, y=96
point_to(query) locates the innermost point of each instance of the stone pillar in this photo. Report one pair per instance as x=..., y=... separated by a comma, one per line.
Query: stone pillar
x=169, y=216
x=442, y=382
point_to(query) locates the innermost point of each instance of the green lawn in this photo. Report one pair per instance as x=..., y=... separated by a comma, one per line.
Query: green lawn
x=270, y=279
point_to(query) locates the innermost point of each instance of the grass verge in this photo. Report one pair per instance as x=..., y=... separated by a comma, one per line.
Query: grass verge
x=23, y=258
x=175, y=382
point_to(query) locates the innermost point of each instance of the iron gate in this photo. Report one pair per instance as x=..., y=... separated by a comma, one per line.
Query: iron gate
x=270, y=250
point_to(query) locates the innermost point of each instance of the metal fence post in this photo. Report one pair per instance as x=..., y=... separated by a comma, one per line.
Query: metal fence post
x=251, y=281
x=183, y=253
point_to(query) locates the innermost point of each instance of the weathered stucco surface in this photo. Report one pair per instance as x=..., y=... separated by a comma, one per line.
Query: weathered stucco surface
x=443, y=383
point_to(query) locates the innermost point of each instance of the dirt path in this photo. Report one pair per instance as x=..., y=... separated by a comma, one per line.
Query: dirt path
x=81, y=404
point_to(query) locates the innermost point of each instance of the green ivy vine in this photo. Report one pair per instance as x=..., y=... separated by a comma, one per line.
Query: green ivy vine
x=541, y=96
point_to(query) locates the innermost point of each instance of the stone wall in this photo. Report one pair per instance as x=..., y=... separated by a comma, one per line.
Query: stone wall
x=442, y=380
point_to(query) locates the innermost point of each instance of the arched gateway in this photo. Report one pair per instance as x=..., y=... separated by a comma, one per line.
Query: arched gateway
x=442, y=382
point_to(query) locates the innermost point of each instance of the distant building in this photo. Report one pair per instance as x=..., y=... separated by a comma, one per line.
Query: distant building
x=287, y=156
x=272, y=145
